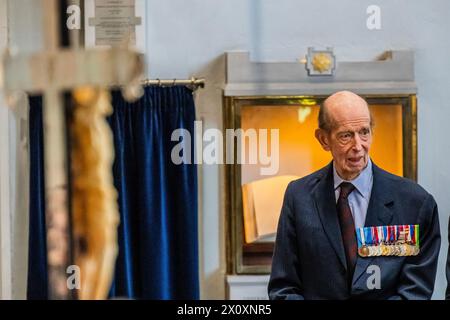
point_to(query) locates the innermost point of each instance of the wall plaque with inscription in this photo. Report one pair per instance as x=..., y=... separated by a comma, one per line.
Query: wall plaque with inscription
x=115, y=22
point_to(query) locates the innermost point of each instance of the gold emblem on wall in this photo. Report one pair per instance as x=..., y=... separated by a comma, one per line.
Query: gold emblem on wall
x=320, y=62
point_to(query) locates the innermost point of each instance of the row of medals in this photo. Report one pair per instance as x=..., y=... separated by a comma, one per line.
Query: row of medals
x=398, y=249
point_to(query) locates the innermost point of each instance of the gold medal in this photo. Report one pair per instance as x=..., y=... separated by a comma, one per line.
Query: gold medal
x=363, y=251
x=416, y=250
x=384, y=250
x=375, y=250
x=411, y=249
x=379, y=252
x=402, y=250
x=408, y=250
x=371, y=251
x=396, y=250
x=390, y=250
x=393, y=250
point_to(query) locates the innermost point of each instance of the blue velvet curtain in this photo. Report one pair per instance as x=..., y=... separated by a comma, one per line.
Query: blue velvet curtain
x=37, y=254
x=158, y=246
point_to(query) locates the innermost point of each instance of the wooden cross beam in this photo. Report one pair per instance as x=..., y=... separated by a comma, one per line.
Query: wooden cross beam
x=53, y=73
x=67, y=69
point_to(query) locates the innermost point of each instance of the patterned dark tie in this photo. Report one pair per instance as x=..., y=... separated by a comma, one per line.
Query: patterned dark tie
x=347, y=228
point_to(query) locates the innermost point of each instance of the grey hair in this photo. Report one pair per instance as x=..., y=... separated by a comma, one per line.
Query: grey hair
x=325, y=123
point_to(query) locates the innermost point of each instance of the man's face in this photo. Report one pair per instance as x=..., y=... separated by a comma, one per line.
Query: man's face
x=350, y=137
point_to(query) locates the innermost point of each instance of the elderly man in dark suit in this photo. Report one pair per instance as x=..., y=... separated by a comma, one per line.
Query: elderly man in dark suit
x=317, y=253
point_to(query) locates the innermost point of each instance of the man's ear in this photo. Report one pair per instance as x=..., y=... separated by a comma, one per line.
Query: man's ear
x=322, y=137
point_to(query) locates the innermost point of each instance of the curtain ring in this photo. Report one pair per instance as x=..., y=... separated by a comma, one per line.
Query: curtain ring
x=159, y=82
x=174, y=82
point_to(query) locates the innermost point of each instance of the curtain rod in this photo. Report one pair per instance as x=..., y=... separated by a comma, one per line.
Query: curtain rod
x=165, y=83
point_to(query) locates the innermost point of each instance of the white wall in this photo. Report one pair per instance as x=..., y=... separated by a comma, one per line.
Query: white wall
x=20, y=29
x=186, y=38
x=5, y=265
x=25, y=25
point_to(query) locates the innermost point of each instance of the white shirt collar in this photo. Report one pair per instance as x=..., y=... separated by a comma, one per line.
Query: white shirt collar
x=362, y=182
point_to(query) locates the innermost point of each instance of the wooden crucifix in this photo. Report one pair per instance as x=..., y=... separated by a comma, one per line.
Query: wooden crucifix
x=81, y=205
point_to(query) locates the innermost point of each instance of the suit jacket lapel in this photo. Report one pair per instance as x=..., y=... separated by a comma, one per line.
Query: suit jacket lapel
x=325, y=201
x=379, y=212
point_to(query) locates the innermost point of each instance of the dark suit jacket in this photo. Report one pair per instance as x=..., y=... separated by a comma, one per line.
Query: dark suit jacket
x=309, y=257
x=447, y=294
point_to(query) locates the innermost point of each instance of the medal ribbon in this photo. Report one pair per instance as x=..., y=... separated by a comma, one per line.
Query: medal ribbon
x=368, y=233
x=376, y=238
x=416, y=234
x=360, y=237
x=388, y=237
